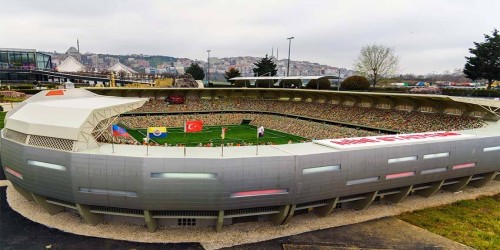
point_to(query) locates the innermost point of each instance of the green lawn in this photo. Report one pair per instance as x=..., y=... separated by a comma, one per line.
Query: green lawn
x=235, y=134
x=2, y=119
x=475, y=223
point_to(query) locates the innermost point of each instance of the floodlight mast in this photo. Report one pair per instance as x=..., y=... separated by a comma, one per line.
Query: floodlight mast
x=208, y=67
x=289, y=47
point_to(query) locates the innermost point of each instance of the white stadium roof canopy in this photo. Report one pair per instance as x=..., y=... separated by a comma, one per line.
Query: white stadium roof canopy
x=282, y=78
x=68, y=114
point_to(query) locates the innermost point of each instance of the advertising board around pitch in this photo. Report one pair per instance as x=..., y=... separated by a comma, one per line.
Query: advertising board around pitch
x=387, y=140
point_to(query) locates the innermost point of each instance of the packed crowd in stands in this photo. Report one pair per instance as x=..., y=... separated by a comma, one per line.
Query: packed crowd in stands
x=403, y=121
x=306, y=129
x=178, y=120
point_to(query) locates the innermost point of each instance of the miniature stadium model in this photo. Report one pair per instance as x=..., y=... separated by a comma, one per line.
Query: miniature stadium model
x=53, y=150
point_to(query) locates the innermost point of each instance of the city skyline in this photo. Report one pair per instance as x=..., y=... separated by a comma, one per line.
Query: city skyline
x=428, y=36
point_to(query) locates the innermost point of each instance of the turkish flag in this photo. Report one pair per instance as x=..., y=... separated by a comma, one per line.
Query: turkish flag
x=193, y=126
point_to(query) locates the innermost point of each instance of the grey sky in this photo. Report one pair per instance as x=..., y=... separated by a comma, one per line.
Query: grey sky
x=427, y=35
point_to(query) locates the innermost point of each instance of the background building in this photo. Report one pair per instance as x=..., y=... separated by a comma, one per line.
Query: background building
x=27, y=59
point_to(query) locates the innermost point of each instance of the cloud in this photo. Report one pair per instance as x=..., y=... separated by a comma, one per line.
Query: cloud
x=428, y=35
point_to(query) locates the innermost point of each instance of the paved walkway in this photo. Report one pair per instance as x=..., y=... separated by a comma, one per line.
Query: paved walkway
x=385, y=233
x=17, y=232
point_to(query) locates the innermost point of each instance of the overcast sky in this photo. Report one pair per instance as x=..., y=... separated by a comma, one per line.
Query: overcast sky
x=429, y=36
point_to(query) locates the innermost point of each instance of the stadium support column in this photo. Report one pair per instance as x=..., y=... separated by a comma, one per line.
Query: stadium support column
x=326, y=210
x=395, y=198
x=364, y=203
x=220, y=221
x=281, y=216
x=481, y=182
x=42, y=201
x=150, y=221
x=289, y=216
x=462, y=182
x=91, y=218
x=435, y=186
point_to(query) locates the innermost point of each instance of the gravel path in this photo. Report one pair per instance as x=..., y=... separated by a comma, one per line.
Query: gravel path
x=239, y=233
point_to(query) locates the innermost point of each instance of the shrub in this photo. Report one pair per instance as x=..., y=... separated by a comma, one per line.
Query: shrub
x=471, y=92
x=264, y=83
x=241, y=83
x=323, y=84
x=389, y=89
x=355, y=83
x=22, y=86
x=29, y=91
x=485, y=93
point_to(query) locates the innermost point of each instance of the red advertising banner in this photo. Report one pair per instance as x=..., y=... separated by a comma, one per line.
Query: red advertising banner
x=356, y=142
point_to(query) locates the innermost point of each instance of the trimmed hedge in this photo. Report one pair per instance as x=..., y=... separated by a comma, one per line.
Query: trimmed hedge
x=355, y=83
x=29, y=91
x=290, y=83
x=323, y=84
x=390, y=90
x=241, y=83
x=264, y=84
x=471, y=92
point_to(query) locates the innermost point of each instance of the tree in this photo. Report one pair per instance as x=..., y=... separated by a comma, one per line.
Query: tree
x=231, y=73
x=355, y=83
x=265, y=67
x=196, y=71
x=485, y=62
x=122, y=74
x=377, y=61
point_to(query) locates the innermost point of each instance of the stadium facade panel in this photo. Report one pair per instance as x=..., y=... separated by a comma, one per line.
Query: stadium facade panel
x=103, y=181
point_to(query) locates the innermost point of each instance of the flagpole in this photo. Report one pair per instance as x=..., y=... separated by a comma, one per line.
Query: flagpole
x=223, y=135
x=257, y=148
x=184, y=138
x=112, y=139
x=147, y=141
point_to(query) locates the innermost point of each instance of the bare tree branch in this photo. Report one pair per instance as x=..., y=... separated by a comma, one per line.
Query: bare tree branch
x=376, y=61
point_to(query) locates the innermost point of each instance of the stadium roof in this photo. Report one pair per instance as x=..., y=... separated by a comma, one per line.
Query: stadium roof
x=490, y=107
x=282, y=78
x=71, y=114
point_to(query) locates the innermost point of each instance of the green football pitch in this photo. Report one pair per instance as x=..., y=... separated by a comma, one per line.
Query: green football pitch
x=234, y=134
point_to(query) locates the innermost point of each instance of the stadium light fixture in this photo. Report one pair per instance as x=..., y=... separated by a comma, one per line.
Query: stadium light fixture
x=208, y=66
x=289, y=47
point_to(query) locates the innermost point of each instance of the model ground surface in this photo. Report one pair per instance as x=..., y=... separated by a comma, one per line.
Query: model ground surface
x=17, y=232
x=475, y=223
x=385, y=233
x=236, y=134
x=254, y=232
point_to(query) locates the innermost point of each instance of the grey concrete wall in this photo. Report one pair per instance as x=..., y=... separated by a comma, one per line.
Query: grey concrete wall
x=133, y=174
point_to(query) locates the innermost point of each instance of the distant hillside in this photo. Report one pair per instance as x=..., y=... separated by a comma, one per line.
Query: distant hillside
x=154, y=61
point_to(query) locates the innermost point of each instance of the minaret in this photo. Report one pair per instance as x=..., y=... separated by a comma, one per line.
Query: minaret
x=277, y=59
x=78, y=45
